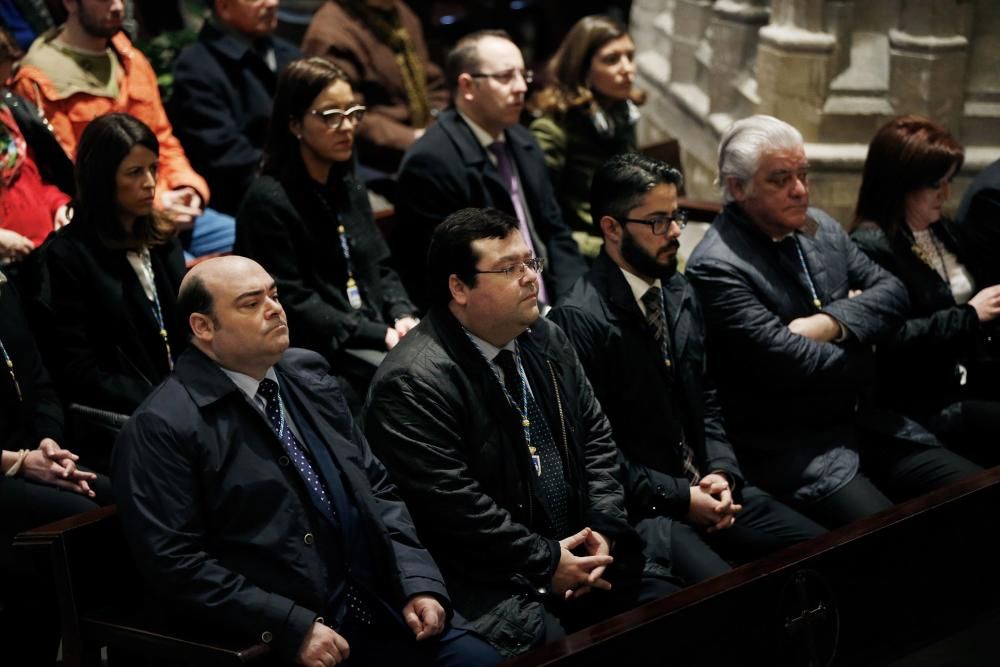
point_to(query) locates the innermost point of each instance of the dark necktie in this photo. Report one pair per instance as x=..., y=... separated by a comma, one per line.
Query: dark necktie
x=541, y=446
x=657, y=320
x=505, y=165
x=268, y=390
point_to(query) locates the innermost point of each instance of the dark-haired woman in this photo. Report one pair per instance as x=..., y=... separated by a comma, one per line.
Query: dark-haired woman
x=307, y=221
x=587, y=113
x=106, y=322
x=938, y=369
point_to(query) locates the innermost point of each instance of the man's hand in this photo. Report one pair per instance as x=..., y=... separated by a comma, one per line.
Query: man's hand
x=819, y=327
x=62, y=217
x=391, y=338
x=987, y=303
x=425, y=616
x=322, y=647
x=575, y=572
x=182, y=206
x=712, y=505
x=404, y=324
x=53, y=465
x=13, y=246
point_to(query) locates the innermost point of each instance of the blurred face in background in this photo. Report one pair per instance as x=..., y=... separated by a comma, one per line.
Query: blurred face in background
x=612, y=69
x=923, y=206
x=253, y=18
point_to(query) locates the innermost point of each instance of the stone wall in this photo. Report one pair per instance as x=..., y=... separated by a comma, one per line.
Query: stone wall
x=835, y=69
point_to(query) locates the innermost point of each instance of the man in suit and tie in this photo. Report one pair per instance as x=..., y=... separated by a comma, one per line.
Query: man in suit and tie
x=478, y=155
x=638, y=330
x=252, y=503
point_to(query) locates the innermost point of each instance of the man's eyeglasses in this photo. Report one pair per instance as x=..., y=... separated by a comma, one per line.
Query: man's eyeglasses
x=661, y=223
x=506, y=77
x=536, y=264
x=334, y=118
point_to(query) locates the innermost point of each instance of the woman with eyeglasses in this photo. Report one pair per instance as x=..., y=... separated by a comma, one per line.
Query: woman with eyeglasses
x=587, y=113
x=940, y=367
x=105, y=317
x=308, y=222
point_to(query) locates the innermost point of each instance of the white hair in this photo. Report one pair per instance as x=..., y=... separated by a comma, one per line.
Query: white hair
x=745, y=141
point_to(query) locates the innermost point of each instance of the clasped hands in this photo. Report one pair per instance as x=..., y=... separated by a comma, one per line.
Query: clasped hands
x=712, y=506
x=53, y=465
x=324, y=647
x=576, y=575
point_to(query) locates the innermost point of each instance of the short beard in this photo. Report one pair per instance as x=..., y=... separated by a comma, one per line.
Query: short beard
x=641, y=261
x=94, y=28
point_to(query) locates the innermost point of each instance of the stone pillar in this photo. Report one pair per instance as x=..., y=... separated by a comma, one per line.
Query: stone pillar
x=731, y=46
x=927, y=61
x=690, y=19
x=795, y=63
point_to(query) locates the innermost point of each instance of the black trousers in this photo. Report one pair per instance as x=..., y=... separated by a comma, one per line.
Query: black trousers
x=764, y=526
x=393, y=644
x=891, y=471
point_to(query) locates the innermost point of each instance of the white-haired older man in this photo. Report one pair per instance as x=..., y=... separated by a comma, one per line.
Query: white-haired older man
x=792, y=311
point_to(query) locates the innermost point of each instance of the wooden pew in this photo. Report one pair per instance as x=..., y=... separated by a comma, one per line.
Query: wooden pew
x=101, y=602
x=875, y=592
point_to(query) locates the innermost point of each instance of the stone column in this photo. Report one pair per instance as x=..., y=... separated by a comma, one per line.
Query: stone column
x=795, y=63
x=731, y=46
x=927, y=61
x=690, y=19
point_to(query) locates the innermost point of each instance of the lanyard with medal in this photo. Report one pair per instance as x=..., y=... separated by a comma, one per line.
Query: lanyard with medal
x=352, y=289
x=805, y=269
x=522, y=409
x=147, y=265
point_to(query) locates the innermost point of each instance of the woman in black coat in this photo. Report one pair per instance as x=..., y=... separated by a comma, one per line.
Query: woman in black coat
x=939, y=367
x=308, y=222
x=105, y=313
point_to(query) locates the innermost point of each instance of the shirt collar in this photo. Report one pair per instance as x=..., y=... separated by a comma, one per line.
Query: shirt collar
x=247, y=384
x=489, y=350
x=639, y=287
x=482, y=136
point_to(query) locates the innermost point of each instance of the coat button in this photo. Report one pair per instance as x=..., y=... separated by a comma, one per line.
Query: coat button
x=308, y=539
x=283, y=461
x=266, y=636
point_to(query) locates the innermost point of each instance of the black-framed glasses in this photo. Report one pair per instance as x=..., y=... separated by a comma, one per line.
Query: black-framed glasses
x=536, y=264
x=334, y=118
x=506, y=77
x=661, y=222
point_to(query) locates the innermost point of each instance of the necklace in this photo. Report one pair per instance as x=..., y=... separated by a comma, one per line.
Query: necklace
x=147, y=264
x=10, y=369
x=805, y=269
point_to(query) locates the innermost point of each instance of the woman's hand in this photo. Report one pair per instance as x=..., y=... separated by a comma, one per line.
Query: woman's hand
x=13, y=246
x=53, y=465
x=987, y=303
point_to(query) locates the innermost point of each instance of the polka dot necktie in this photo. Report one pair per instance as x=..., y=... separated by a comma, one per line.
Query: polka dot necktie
x=268, y=390
x=552, y=477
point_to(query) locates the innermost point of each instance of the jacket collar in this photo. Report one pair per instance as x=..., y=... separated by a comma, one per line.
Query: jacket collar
x=229, y=44
x=204, y=380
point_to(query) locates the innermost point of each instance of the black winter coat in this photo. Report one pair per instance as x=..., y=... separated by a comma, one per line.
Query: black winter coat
x=918, y=369
x=788, y=399
x=223, y=528
x=290, y=227
x=625, y=366
x=448, y=169
x=221, y=106
x=438, y=418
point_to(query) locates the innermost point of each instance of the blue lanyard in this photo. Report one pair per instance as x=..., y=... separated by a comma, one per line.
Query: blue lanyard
x=805, y=270
x=522, y=410
x=147, y=263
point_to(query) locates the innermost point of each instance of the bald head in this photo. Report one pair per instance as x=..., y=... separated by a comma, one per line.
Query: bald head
x=231, y=307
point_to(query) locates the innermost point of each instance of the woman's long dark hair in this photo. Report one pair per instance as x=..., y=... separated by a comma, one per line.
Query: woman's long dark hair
x=907, y=153
x=570, y=66
x=106, y=141
x=301, y=83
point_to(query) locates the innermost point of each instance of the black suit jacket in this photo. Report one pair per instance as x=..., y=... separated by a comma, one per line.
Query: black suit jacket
x=220, y=108
x=222, y=526
x=446, y=170
x=95, y=326
x=625, y=365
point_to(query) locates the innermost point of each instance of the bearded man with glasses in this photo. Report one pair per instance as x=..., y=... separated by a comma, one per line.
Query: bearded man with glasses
x=485, y=419
x=638, y=330
x=478, y=155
